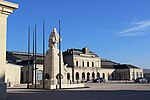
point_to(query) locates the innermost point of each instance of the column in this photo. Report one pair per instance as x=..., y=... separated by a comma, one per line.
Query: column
x=6, y=8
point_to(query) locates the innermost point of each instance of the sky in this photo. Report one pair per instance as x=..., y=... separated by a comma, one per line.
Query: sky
x=118, y=30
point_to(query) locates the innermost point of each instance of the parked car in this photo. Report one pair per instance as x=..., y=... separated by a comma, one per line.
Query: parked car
x=99, y=80
x=148, y=79
x=141, y=80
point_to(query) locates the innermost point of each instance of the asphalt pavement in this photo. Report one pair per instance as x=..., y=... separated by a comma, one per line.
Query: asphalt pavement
x=96, y=91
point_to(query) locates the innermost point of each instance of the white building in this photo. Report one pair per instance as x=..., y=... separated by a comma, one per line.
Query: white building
x=12, y=74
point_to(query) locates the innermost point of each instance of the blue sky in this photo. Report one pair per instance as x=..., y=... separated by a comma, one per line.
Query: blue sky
x=115, y=29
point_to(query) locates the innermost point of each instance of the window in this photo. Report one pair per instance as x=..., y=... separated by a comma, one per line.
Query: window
x=77, y=76
x=88, y=76
x=93, y=75
x=92, y=64
x=77, y=63
x=103, y=75
x=83, y=64
x=133, y=77
x=39, y=75
x=140, y=74
x=22, y=76
x=98, y=74
x=137, y=75
x=68, y=76
x=87, y=64
x=83, y=76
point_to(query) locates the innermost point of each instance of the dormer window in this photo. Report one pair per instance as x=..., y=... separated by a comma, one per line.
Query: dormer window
x=85, y=50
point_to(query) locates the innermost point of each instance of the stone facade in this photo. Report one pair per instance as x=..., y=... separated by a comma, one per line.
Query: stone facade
x=12, y=74
x=84, y=65
x=52, y=58
x=6, y=8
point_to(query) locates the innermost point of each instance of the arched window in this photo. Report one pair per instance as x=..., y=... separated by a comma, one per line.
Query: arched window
x=98, y=75
x=77, y=76
x=93, y=75
x=88, y=76
x=104, y=75
x=68, y=76
x=83, y=76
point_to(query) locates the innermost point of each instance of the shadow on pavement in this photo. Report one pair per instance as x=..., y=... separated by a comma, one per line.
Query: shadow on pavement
x=28, y=94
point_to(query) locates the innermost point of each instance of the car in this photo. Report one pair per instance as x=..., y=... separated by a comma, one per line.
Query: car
x=148, y=79
x=141, y=80
x=99, y=80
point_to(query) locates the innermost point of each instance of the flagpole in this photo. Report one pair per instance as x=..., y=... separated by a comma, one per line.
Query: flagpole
x=59, y=57
x=35, y=56
x=43, y=54
x=28, y=54
x=33, y=60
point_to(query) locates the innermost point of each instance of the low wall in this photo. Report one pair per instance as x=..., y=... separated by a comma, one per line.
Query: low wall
x=65, y=86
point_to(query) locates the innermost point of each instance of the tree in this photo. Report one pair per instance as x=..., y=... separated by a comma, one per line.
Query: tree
x=47, y=76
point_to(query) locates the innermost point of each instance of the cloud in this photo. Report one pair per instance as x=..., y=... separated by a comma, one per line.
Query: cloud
x=137, y=29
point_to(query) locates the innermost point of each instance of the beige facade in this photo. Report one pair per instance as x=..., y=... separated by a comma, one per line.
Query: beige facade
x=135, y=73
x=12, y=74
x=84, y=65
x=6, y=8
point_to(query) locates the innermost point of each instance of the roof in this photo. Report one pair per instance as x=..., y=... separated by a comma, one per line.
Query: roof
x=107, y=64
x=78, y=52
x=21, y=58
x=124, y=66
x=146, y=70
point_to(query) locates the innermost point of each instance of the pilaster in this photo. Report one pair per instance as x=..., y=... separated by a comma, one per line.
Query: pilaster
x=6, y=8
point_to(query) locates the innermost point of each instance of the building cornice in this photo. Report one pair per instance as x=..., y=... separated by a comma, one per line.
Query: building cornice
x=7, y=8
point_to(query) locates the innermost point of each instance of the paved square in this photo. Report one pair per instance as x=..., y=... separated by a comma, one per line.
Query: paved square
x=96, y=91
